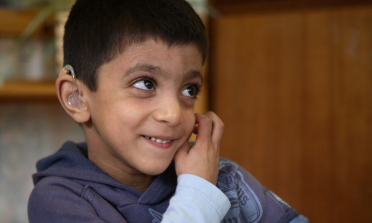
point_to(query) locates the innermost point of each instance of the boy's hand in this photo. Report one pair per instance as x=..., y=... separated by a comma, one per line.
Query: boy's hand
x=202, y=158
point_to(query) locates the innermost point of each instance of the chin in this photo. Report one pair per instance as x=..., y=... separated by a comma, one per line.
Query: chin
x=155, y=169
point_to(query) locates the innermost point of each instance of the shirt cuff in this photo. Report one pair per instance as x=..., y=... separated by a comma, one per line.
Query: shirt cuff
x=206, y=192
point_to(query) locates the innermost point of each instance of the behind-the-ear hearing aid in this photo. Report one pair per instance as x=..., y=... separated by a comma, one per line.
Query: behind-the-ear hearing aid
x=75, y=99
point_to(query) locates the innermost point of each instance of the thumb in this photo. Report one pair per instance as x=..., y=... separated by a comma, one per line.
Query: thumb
x=182, y=151
x=180, y=157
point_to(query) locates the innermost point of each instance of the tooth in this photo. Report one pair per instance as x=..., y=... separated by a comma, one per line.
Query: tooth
x=158, y=140
x=164, y=141
x=153, y=139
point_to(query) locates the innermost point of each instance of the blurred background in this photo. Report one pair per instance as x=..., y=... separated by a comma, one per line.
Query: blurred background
x=292, y=81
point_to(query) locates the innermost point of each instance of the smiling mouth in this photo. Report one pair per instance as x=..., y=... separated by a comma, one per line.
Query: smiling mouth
x=160, y=141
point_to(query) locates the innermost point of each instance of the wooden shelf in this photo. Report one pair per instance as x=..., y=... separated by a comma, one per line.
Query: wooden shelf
x=23, y=90
x=259, y=6
x=13, y=22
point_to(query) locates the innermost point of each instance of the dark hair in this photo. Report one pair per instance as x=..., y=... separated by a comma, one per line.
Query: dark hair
x=97, y=30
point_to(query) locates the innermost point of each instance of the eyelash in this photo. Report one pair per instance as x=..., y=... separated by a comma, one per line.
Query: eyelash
x=143, y=79
x=197, y=86
x=197, y=89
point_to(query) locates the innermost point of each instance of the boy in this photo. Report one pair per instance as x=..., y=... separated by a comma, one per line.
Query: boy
x=132, y=75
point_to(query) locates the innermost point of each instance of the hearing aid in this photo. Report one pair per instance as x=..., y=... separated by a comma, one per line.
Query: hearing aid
x=74, y=100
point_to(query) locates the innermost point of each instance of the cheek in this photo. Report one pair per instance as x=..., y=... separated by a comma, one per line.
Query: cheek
x=116, y=116
x=190, y=122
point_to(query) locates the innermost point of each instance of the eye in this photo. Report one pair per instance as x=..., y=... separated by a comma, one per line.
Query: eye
x=145, y=84
x=191, y=91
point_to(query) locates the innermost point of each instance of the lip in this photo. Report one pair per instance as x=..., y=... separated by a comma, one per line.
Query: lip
x=160, y=145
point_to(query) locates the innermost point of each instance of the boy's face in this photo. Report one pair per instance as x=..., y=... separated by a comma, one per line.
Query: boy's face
x=146, y=93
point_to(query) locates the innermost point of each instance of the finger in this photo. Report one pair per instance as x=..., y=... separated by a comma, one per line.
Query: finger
x=204, y=128
x=217, y=129
x=195, y=130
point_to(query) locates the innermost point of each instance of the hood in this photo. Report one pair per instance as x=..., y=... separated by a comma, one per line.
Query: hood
x=71, y=162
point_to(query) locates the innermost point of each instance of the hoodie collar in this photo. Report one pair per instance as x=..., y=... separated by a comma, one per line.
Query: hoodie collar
x=71, y=162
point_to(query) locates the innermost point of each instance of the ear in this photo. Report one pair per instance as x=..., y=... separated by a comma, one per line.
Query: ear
x=64, y=85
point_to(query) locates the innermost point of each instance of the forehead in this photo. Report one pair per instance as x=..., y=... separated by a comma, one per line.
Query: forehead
x=157, y=56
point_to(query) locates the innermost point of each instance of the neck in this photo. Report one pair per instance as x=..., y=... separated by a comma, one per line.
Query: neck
x=119, y=171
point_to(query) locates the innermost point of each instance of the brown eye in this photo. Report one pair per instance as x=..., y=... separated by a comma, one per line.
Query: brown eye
x=147, y=85
x=191, y=91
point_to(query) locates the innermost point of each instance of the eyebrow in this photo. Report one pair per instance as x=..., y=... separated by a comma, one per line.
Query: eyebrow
x=145, y=67
x=194, y=74
x=158, y=71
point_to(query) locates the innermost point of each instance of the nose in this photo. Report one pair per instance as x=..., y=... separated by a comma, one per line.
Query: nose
x=169, y=112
